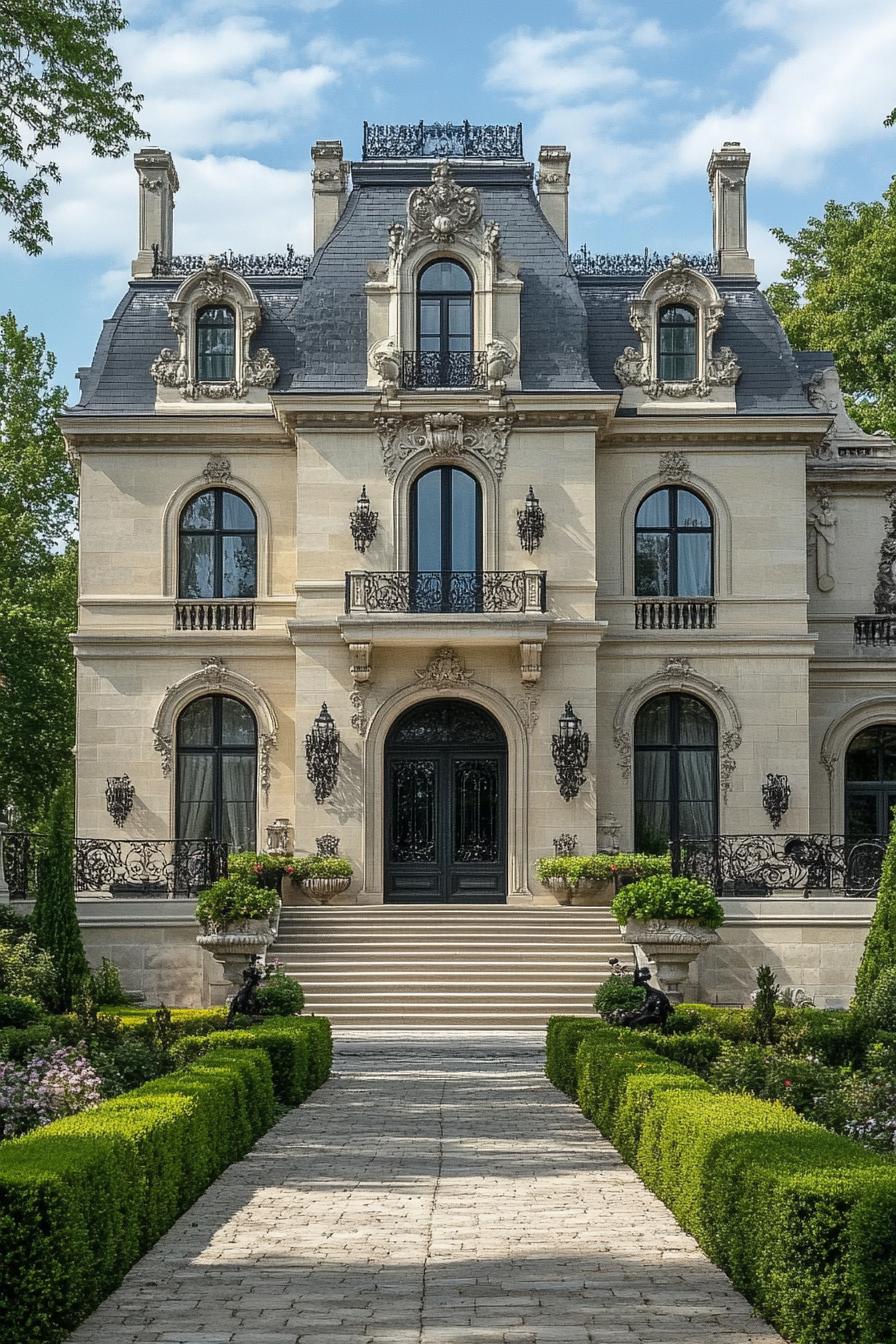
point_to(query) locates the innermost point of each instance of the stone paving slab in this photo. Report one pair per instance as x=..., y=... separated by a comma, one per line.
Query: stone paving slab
x=437, y=1190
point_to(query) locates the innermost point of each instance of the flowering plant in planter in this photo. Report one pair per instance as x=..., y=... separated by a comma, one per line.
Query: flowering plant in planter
x=576, y=870
x=233, y=900
x=265, y=870
x=318, y=865
x=669, y=898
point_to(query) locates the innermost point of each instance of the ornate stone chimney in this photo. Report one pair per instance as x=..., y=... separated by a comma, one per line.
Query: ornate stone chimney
x=553, y=188
x=329, y=180
x=727, y=169
x=158, y=183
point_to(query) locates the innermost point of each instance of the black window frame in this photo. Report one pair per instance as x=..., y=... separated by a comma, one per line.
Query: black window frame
x=675, y=747
x=880, y=788
x=663, y=325
x=673, y=529
x=218, y=750
x=219, y=532
x=220, y=326
x=446, y=517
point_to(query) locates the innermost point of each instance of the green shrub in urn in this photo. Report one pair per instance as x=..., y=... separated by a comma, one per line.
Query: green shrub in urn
x=668, y=898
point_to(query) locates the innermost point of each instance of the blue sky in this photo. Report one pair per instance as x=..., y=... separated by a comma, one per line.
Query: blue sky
x=641, y=92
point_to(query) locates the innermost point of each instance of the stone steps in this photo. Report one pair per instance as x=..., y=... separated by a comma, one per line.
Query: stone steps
x=402, y=966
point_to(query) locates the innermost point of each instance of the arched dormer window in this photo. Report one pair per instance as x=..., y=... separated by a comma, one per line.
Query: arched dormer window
x=444, y=325
x=677, y=346
x=215, y=344
x=673, y=545
x=217, y=547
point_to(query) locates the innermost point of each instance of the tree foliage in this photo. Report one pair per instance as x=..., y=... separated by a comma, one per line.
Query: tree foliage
x=38, y=576
x=838, y=293
x=879, y=954
x=59, y=77
x=55, y=917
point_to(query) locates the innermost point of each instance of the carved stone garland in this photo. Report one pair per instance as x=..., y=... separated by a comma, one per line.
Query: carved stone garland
x=637, y=368
x=675, y=467
x=444, y=434
x=444, y=671
x=885, y=592
x=678, y=674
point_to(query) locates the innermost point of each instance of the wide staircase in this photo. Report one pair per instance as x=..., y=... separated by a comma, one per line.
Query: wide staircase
x=447, y=966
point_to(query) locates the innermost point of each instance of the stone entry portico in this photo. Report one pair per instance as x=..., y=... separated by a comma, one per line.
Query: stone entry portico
x=436, y=1191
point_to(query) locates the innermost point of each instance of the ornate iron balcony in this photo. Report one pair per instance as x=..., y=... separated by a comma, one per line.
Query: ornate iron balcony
x=214, y=615
x=874, y=632
x=170, y=869
x=675, y=613
x=767, y=865
x=433, y=591
x=438, y=369
x=586, y=262
x=442, y=140
x=288, y=263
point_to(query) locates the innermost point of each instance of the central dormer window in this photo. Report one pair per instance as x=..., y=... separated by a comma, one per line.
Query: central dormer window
x=677, y=351
x=445, y=325
x=215, y=344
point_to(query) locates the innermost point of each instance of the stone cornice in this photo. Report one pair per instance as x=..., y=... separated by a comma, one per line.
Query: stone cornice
x=176, y=433
x=742, y=430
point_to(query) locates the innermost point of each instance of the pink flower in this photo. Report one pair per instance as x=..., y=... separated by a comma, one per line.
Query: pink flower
x=788, y=1083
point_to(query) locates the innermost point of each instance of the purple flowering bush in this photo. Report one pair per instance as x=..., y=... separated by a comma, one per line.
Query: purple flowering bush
x=46, y=1087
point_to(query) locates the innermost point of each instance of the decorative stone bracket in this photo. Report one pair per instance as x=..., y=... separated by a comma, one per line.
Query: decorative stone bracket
x=443, y=434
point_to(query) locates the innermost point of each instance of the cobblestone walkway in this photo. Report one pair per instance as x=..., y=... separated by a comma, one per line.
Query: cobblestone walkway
x=437, y=1192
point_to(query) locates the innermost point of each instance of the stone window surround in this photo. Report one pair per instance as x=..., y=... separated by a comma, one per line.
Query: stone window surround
x=880, y=709
x=721, y=532
x=171, y=531
x=215, y=679
x=373, y=786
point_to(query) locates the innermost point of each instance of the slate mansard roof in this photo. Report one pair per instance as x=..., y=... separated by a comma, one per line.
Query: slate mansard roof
x=573, y=326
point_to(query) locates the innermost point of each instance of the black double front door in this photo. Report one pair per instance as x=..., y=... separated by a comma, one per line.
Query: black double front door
x=446, y=806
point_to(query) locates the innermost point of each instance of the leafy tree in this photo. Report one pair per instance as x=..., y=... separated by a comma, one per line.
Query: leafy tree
x=38, y=576
x=880, y=944
x=55, y=917
x=838, y=293
x=59, y=76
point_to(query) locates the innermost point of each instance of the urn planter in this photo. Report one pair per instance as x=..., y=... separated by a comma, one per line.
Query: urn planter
x=671, y=944
x=325, y=889
x=234, y=946
x=561, y=889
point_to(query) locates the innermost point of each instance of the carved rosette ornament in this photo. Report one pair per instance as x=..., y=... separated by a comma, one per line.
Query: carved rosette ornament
x=444, y=434
x=441, y=211
x=715, y=368
x=177, y=369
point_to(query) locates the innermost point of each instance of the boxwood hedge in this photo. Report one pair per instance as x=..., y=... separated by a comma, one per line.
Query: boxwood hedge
x=300, y=1051
x=84, y=1197
x=802, y=1220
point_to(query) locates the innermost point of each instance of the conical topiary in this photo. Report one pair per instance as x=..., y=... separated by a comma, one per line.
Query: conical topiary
x=55, y=917
x=880, y=944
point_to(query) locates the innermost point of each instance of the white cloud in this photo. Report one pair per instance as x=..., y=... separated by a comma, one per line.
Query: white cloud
x=649, y=33
x=544, y=68
x=770, y=256
x=362, y=54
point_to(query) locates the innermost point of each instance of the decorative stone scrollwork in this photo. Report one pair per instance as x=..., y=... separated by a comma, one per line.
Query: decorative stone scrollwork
x=217, y=470
x=177, y=370
x=675, y=467
x=443, y=671
x=358, y=700
x=885, y=592
x=444, y=434
x=527, y=706
x=444, y=209
x=640, y=368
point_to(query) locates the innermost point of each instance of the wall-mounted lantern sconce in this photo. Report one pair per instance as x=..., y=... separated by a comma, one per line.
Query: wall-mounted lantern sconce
x=363, y=522
x=119, y=798
x=569, y=748
x=322, y=754
x=776, y=798
x=530, y=522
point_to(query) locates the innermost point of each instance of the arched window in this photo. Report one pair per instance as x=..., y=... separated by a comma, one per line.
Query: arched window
x=871, y=781
x=673, y=545
x=445, y=326
x=446, y=541
x=676, y=771
x=677, y=346
x=217, y=547
x=215, y=344
x=217, y=747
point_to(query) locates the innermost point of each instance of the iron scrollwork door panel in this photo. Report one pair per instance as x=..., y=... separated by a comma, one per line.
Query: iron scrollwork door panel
x=413, y=841
x=477, y=869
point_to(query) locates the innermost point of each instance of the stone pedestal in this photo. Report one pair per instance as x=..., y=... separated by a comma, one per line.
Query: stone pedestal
x=234, y=948
x=671, y=944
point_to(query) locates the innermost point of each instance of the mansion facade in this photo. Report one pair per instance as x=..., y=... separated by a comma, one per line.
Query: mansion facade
x=451, y=544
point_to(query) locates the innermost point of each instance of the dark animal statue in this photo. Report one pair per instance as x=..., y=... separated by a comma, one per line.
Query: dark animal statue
x=244, y=1002
x=655, y=1009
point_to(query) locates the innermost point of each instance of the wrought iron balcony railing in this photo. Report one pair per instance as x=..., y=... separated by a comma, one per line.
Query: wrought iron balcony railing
x=172, y=869
x=874, y=632
x=442, y=139
x=768, y=865
x=436, y=591
x=217, y=615
x=675, y=613
x=443, y=369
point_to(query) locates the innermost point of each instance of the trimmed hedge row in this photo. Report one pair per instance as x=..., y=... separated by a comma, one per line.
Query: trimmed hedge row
x=300, y=1051
x=185, y=1021
x=802, y=1220
x=84, y=1197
